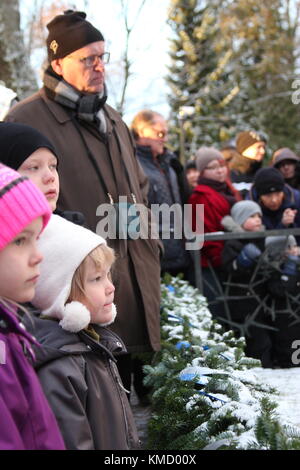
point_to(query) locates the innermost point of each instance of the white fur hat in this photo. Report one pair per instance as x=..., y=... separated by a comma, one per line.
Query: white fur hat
x=64, y=246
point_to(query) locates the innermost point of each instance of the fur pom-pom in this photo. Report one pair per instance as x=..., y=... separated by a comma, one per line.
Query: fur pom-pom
x=113, y=316
x=76, y=317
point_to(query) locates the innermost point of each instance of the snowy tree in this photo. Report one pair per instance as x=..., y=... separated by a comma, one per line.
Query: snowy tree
x=204, y=393
x=234, y=61
x=199, y=70
x=16, y=72
x=263, y=36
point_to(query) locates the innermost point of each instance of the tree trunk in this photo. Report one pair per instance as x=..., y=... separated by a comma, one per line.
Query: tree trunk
x=15, y=70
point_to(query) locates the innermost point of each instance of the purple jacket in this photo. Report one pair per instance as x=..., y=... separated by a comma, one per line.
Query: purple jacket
x=27, y=422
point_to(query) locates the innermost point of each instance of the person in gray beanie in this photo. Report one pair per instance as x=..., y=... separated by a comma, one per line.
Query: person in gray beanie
x=217, y=196
x=240, y=260
x=242, y=210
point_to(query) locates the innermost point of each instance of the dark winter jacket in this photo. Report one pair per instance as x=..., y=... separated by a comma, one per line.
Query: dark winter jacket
x=246, y=294
x=242, y=173
x=81, y=381
x=137, y=269
x=27, y=422
x=239, y=276
x=272, y=219
x=164, y=189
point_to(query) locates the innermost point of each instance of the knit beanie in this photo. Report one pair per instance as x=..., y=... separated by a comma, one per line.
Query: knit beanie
x=68, y=33
x=19, y=141
x=277, y=244
x=268, y=180
x=245, y=139
x=205, y=155
x=64, y=246
x=21, y=202
x=242, y=210
x=283, y=154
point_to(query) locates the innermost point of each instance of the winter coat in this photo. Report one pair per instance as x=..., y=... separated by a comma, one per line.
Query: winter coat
x=272, y=219
x=137, y=269
x=81, y=381
x=164, y=189
x=27, y=422
x=215, y=208
x=244, y=292
x=240, y=275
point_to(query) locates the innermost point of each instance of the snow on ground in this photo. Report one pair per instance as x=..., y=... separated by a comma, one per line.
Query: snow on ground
x=287, y=382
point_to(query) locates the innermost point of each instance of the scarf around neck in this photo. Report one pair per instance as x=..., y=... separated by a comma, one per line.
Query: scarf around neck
x=222, y=188
x=87, y=107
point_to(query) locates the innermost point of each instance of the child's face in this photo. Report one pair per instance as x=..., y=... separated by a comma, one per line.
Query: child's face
x=253, y=223
x=41, y=168
x=99, y=292
x=192, y=176
x=19, y=264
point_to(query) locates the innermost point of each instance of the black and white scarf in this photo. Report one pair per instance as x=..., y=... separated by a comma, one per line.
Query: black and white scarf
x=86, y=107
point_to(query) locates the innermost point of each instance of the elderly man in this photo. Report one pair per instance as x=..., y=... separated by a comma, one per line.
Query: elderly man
x=150, y=131
x=97, y=166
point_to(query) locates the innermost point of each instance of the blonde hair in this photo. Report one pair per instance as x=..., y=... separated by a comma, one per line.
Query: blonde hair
x=143, y=119
x=101, y=256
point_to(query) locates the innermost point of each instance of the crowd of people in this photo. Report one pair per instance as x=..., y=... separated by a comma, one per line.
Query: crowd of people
x=79, y=305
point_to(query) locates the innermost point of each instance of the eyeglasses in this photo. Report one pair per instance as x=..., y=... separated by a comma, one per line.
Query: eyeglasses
x=92, y=60
x=161, y=134
x=216, y=167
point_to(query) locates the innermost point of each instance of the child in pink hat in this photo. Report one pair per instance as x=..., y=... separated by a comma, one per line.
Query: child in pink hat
x=26, y=419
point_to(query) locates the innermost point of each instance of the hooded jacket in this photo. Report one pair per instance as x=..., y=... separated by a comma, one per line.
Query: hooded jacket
x=27, y=422
x=81, y=381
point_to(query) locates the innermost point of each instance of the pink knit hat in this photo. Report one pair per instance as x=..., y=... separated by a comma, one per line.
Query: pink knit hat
x=20, y=203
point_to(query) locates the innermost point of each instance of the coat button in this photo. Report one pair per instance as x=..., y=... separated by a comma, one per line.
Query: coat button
x=119, y=344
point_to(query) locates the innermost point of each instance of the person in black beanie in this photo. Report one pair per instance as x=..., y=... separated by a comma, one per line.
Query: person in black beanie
x=26, y=150
x=97, y=167
x=280, y=203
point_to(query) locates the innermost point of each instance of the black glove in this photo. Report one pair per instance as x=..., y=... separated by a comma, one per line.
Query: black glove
x=248, y=255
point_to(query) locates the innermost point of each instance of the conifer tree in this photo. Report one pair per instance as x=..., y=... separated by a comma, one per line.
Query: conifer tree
x=234, y=62
x=198, y=73
x=263, y=35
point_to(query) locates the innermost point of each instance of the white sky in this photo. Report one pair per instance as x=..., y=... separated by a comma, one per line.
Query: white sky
x=148, y=49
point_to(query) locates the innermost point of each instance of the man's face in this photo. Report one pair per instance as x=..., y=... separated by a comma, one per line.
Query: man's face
x=272, y=201
x=154, y=135
x=74, y=70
